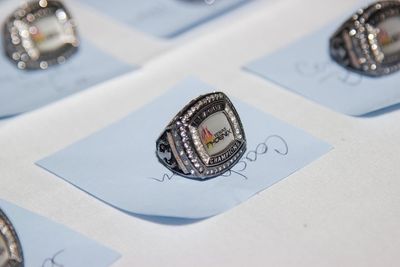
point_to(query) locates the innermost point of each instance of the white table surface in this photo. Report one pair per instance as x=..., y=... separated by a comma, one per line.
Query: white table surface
x=342, y=210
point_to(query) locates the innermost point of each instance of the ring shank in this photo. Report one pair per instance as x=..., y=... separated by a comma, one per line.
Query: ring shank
x=167, y=154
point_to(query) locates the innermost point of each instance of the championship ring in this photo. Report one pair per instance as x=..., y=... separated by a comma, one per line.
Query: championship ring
x=204, y=140
x=40, y=34
x=369, y=42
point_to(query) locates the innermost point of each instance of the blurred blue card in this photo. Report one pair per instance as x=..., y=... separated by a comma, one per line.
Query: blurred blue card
x=306, y=68
x=164, y=18
x=118, y=164
x=22, y=91
x=45, y=243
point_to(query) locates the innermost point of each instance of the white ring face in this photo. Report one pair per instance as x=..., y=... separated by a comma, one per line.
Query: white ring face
x=389, y=35
x=40, y=34
x=216, y=133
x=48, y=34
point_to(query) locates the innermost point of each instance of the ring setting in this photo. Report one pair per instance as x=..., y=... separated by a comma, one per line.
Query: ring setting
x=204, y=140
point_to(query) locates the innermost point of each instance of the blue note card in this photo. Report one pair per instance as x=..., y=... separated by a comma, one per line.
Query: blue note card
x=46, y=243
x=22, y=91
x=306, y=68
x=164, y=18
x=118, y=164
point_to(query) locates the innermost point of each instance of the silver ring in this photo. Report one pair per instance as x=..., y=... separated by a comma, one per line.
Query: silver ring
x=10, y=247
x=369, y=42
x=40, y=34
x=204, y=140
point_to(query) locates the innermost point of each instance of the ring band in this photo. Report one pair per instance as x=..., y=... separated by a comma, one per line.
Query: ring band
x=40, y=34
x=369, y=42
x=10, y=247
x=204, y=140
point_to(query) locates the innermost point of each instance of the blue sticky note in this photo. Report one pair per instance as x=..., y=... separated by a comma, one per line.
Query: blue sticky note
x=22, y=91
x=46, y=243
x=118, y=164
x=164, y=18
x=306, y=68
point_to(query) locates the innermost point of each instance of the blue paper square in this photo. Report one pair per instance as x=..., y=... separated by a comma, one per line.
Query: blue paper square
x=306, y=68
x=44, y=241
x=22, y=91
x=118, y=164
x=165, y=18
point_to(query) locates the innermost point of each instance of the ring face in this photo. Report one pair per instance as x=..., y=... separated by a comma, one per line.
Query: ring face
x=204, y=140
x=40, y=34
x=369, y=42
x=10, y=247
